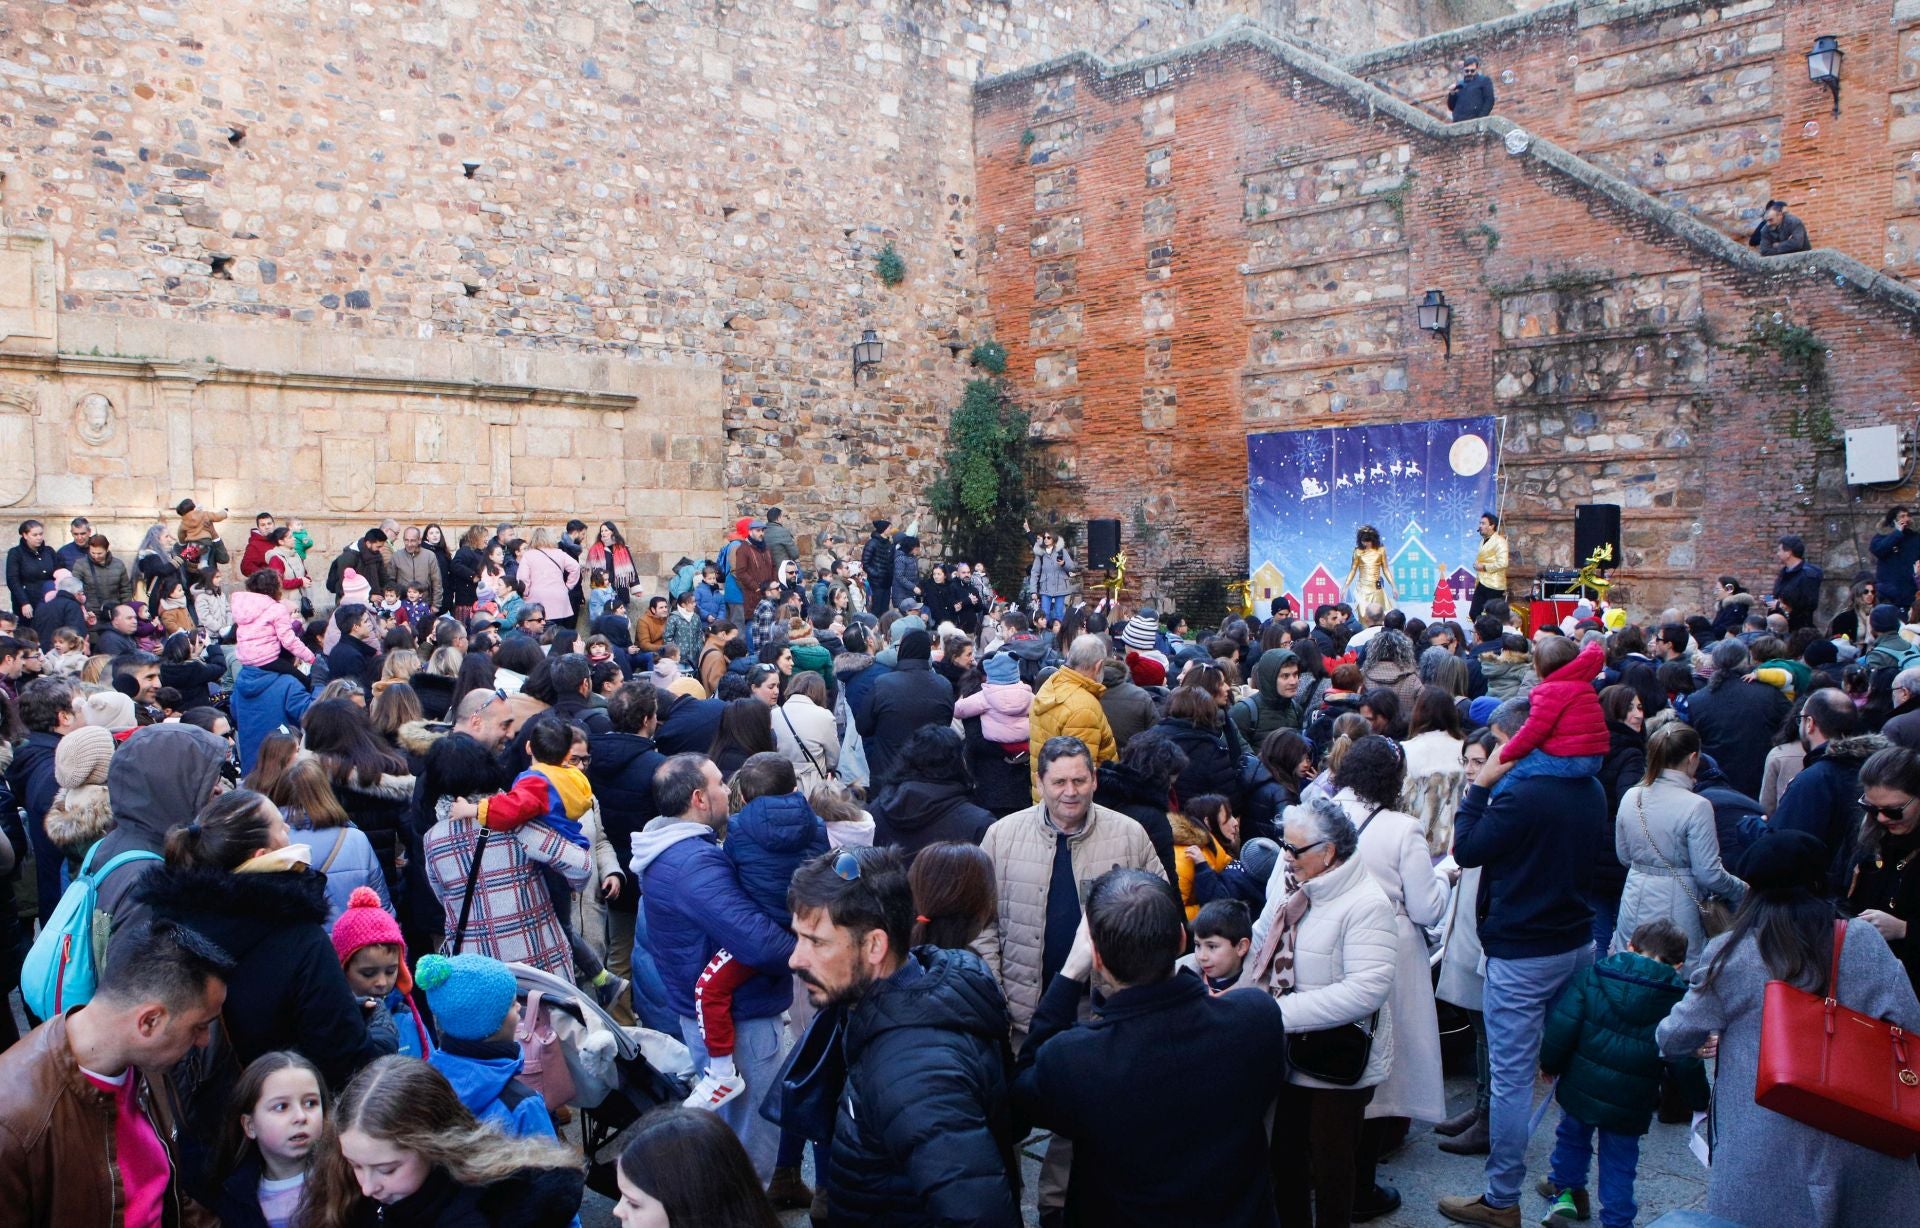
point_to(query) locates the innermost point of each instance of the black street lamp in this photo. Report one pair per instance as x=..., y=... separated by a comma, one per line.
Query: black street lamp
x=1437, y=317
x=1823, y=66
x=867, y=353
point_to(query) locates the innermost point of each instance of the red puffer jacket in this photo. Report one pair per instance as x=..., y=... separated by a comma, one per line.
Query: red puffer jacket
x=1563, y=712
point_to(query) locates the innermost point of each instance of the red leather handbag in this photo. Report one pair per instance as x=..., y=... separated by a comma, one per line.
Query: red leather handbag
x=1837, y=1070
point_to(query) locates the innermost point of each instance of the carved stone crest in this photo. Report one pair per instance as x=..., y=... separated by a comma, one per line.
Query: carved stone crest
x=346, y=473
x=93, y=419
x=16, y=445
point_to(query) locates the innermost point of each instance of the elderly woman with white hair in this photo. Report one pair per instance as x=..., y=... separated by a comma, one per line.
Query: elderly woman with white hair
x=1325, y=947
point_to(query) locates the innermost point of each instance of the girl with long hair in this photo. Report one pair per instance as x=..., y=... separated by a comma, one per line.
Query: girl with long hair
x=266, y=1141
x=745, y=730
x=953, y=894
x=400, y=1148
x=609, y=554
x=315, y=818
x=1373, y=593
x=684, y=1168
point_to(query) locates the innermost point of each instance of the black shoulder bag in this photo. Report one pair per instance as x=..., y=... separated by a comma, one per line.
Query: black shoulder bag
x=1336, y=1055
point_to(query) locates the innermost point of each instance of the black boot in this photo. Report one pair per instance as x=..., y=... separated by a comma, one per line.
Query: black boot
x=1476, y=1140
x=1458, y=1123
x=1376, y=1202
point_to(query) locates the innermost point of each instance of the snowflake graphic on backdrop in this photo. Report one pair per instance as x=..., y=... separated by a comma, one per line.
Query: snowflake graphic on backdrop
x=1311, y=451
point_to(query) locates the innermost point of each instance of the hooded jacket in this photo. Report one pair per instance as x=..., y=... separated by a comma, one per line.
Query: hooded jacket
x=485, y=1075
x=1068, y=705
x=694, y=906
x=59, y=610
x=1265, y=711
x=1736, y=721
x=1002, y=708
x=262, y=701
x=1563, y=713
x=254, y=557
x=911, y=814
x=906, y=571
x=1509, y=674
x=1129, y=707
x=925, y=1137
x=767, y=840
x=1599, y=1040
x=287, y=990
x=1731, y=614
x=1213, y=759
x=158, y=780
x=687, y=725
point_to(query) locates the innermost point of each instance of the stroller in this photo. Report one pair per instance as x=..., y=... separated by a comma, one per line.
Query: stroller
x=616, y=1074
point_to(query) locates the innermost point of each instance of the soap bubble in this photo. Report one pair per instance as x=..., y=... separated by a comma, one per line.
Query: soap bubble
x=1639, y=351
x=1508, y=77
x=1840, y=279
x=1778, y=318
x=1517, y=141
x=1811, y=130
x=1573, y=61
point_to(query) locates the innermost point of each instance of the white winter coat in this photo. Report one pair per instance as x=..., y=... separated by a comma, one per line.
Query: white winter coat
x=1683, y=858
x=1343, y=959
x=1394, y=850
x=809, y=738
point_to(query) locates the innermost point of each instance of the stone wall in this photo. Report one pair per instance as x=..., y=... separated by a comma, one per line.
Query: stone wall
x=1707, y=105
x=1232, y=238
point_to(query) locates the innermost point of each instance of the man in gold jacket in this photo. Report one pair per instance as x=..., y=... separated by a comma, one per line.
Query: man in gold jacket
x=1489, y=566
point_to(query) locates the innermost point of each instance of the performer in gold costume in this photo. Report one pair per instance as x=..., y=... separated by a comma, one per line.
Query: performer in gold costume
x=1367, y=581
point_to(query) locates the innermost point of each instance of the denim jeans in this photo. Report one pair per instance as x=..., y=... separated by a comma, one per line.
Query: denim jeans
x=1606, y=915
x=756, y=1055
x=1518, y=996
x=1619, y=1157
x=1538, y=763
x=1053, y=607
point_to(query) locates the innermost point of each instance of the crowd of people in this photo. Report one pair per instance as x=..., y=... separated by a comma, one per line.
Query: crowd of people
x=917, y=869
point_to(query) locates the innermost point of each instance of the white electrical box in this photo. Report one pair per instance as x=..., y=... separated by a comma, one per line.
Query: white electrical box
x=1873, y=455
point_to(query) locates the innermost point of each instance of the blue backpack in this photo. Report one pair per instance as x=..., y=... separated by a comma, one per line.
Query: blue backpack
x=62, y=968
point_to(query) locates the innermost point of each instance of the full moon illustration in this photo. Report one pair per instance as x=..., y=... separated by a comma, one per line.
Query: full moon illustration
x=1468, y=455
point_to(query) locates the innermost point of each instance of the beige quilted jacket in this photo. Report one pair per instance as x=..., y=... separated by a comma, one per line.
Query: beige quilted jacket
x=1022, y=847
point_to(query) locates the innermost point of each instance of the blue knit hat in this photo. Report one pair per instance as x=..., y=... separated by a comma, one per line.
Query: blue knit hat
x=470, y=995
x=1002, y=669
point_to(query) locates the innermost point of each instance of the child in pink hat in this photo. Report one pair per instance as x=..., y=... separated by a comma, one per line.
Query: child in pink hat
x=374, y=956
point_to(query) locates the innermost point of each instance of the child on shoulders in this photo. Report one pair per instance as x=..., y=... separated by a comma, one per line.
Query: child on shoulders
x=1565, y=733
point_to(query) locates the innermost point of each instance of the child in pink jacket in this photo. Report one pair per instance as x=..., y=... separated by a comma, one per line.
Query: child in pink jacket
x=1002, y=704
x=263, y=634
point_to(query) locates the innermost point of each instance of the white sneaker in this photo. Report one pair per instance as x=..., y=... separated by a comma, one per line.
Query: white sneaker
x=714, y=1090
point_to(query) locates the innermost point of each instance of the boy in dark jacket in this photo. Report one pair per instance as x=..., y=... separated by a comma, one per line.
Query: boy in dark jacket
x=768, y=838
x=1600, y=1042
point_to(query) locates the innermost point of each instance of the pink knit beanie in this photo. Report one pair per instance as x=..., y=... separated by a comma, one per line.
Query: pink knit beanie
x=366, y=923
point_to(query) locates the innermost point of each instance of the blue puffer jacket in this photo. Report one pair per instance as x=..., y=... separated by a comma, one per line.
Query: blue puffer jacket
x=768, y=840
x=484, y=1076
x=262, y=701
x=694, y=905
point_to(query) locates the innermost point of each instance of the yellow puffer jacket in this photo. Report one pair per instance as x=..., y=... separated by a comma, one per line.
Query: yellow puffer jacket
x=1068, y=705
x=1021, y=846
x=1188, y=833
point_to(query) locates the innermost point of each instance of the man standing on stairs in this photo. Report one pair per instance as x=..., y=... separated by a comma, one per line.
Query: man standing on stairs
x=1472, y=95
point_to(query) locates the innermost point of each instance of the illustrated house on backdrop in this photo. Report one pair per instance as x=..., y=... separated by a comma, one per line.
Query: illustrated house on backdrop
x=1320, y=589
x=1413, y=567
x=1463, y=582
x=1268, y=583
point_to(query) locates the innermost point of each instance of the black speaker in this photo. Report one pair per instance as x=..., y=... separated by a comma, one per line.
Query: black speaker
x=1103, y=542
x=1596, y=525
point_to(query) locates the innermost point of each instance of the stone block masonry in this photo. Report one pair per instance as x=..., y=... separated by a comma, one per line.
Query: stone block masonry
x=1706, y=105
x=1267, y=278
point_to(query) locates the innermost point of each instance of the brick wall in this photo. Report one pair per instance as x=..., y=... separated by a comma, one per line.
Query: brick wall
x=1238, y=233
x=1707, y=105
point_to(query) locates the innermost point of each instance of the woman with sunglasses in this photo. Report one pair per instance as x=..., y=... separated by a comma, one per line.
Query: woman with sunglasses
x=1324, y=947
x=1884, y=888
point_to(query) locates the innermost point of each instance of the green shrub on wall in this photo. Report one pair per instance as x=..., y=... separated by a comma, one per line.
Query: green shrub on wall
x=890, y=267
x=984, y=489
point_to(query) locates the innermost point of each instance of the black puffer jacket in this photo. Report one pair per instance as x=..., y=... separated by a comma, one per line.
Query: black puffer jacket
x=911, y=814
x=287, y=990
x=1001, y=781
x=622, y=778
x=1213, y=760
x=903, y=702
x=1124, y=789
x=925, y=1135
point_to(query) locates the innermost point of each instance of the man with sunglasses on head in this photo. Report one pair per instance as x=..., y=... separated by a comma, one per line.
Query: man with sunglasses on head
x=1824, y=799
x=922, y=1120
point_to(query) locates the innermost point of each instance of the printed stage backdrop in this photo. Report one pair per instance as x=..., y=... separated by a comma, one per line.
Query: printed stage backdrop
x=1422, y=484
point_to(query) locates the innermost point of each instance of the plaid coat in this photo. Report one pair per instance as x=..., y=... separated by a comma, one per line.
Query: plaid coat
x=513, y=917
